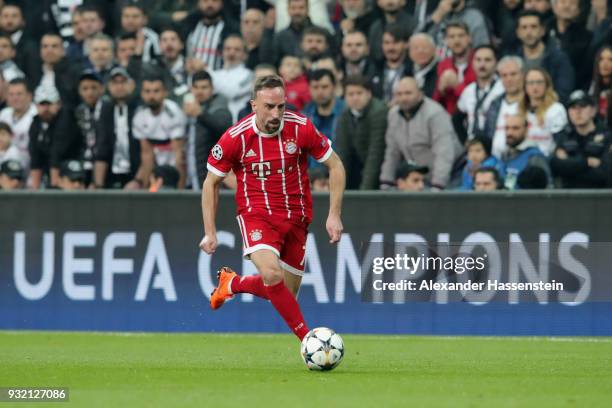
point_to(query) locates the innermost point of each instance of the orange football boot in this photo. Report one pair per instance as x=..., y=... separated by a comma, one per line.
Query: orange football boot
x=223, y=291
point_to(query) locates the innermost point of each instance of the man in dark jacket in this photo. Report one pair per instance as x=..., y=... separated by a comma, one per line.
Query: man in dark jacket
x=288, y=41
x=580, y=160
x=54, y=137
x=12, y=23
x=208, y=117
x=117, y=153
x=360, y=136
x=393, y=14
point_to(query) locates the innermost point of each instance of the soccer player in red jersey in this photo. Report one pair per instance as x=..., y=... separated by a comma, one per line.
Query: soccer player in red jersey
x=268, y=152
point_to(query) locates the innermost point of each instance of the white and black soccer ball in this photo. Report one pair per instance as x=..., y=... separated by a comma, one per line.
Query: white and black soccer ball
x=322, y=349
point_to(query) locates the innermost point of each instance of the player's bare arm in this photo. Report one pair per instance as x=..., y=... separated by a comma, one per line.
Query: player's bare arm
x=210, y=200
x=337, y=181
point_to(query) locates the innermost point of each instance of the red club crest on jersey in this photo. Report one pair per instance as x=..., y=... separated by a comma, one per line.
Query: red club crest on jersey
x=256, y=235
x=290, y=147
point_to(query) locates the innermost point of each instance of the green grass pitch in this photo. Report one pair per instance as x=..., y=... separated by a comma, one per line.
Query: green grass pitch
x=250, y=370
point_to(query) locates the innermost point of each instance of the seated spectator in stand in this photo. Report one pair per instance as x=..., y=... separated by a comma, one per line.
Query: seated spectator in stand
x=411, y=177
x=258, y=39
x=9, y=68
x=420, y=131
x=296, y=83
x=234, y=80
x=357, y=15
x=394, y=13
x=602, y=82
x=455, y=72
x=54, y=137
x=160, y=126
x=544, y=114
x=19, y=115
x=87, y=115
x=166, y=12
x=522, y=153
x=288, y=40
x=314, y=46
x=537, y=53
x=117, y=152
x=12, y=23
x=533, y=178
x=8, y=151
x=487, y=179
x=90, y=23
x=477, y=97
x=72, y=176
x=325, y=108
x=12, y=175
x=394, y=66
x=355, y=55
x=360, y=135
x=329, y=63
x=319, y=179
x=453, y=10
x=101, y=56
x=510, y=71
x=125, y=49
x=315, y=10
x=423, y=62
x=163, y=178
x=478, y=156
x=543, y=7
x=581, y=157
x=504, y=24
x=207, y=118
x=134, y=20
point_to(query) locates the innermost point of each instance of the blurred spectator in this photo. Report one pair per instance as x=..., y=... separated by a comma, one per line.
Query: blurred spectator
x=19, y=115
x=101, y=56
x=543, y=7
x=419, y=130
x=602, y=81
x=597, y=15
x=329, y=63
x=522, y=153
x=580, y=159
x=504, y=22
x=234, y=80
x=55, y=70
x=90, y=23
x=167, y=12
x=134, y=19
x=531, y=31
x=393, y=14
x=207, y=33
x=288, y=40
x=53, y=138
x=296, y=84
x=12, y=175
x=160, y=126
x=533, y=178
x=478, y=156
x=12, y=23
x=72, y=176
x=510, y=71
x=117, y=153
x=487, y=179
x=9, y=69
x=261, y=71
x=315, y=10
x=356, y=15
x=8, y=150
x=87, y=114
x=319, y=178
x=355, y=55
x=422, y=11
x=455, y=72
x=570, y=34
x=477, y=97
x=163, y=178
x=208, y=117
x=423, y=62
x=545, y=115
x=258, y=39
x=2, y=92
x=325, y=108
x=394, y=67
x=360, y=135
x=125, y=49
x=453, y=10
x=314, y=45
x=411, y=177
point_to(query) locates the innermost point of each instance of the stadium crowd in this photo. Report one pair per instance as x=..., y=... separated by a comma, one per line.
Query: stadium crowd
x=414, y=94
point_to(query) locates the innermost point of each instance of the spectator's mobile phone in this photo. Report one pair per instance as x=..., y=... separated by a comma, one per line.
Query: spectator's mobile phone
x=189, y=98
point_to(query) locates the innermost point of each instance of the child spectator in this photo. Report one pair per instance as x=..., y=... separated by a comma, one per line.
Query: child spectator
x=478, y=156
x=296, y=83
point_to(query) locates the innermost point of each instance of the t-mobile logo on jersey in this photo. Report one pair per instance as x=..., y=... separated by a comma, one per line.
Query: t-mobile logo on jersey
x=261, y=170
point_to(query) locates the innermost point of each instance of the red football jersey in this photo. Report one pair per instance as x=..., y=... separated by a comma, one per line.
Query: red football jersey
x=271, y=169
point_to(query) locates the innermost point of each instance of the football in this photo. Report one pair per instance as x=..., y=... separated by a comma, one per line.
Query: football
x=322, y=349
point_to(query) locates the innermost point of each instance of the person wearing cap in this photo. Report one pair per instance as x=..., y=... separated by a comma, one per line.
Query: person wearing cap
x=54, y=137
x=411, y=177
x=12, y=175
x=117, y=153
x=72, y=175
x=581, y=157
x=87, y=114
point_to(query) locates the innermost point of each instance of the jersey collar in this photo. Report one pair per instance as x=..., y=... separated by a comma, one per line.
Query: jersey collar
x=262, y=134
